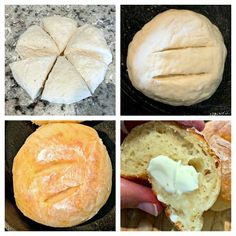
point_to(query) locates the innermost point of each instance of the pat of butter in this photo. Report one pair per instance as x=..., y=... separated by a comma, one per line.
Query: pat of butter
x=173, y=176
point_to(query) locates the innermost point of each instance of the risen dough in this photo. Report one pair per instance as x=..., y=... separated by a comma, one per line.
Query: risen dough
x=36, y=42
x=60, y=29
x=177, y=58
x=62, y=175
x=31, y=73
x=64, y=84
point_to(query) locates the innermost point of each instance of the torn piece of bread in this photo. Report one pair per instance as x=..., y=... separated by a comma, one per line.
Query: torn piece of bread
x=152, y=139
x=218, y=136
x=45, y=122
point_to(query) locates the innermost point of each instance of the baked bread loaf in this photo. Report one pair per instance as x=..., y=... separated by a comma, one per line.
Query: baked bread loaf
x=187, y=149
x=62, y=175
x=177, y=58
x=44, y=122
x=218, y=136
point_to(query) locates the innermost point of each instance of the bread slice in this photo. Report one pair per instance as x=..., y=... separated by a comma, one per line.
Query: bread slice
x=152, y=139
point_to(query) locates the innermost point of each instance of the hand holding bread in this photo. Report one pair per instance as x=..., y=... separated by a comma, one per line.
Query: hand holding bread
x=205, y=163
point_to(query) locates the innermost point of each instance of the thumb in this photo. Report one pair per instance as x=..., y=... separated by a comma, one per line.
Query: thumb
x=134, y=195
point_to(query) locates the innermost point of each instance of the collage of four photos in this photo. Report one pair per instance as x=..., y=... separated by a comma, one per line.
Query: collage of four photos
x=88, y=150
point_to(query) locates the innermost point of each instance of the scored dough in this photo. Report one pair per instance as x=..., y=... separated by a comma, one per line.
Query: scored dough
x=31, y=73
x=177, y=58
x=65, y=84
x=60, y=29
x=89, y=40
x=92, y=70
x=36, y=42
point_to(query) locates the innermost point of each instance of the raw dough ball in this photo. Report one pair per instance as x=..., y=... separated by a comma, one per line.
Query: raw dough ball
x=177, y=58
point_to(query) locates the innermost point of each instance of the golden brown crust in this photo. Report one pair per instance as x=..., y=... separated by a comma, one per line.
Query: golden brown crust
x=44, y=122
x=178, y=225
x=62, y=175
x=218, y=135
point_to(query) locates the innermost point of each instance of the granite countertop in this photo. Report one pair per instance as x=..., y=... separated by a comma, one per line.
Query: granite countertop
x=18, y=19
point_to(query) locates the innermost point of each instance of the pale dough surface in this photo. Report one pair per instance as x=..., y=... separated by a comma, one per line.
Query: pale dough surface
x=60, y=29
x=31, y=73
x=36, y=42
x=92, y=70
x=89, y=40
x=177, y=58
x=64, y=84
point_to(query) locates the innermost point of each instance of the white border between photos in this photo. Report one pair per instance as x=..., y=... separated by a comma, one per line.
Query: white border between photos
x=117, y=117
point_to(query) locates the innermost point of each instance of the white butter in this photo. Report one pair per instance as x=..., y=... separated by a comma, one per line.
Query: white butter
x=172, y=175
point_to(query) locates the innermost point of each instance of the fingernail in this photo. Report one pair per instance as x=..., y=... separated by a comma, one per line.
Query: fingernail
x=149, y=208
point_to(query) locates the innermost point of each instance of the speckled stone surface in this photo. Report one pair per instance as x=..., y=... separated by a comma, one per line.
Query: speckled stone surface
x=18, y=19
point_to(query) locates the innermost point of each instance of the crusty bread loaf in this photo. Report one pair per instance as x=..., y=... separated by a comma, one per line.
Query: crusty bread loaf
x=62, y=175
x=44, y=122
x=152, y=139
x=218, y=136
